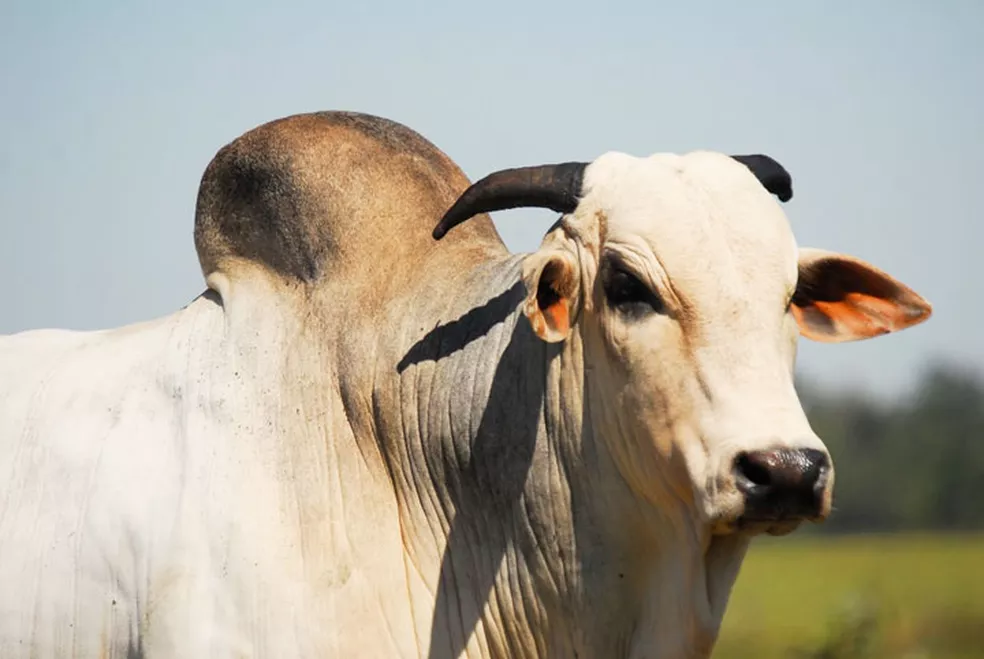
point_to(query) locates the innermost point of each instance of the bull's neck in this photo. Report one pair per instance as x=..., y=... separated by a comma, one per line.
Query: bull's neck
x=484, y=492
x=506, y=487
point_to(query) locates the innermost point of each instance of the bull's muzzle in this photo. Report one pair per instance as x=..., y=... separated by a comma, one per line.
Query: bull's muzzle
x=782, y=485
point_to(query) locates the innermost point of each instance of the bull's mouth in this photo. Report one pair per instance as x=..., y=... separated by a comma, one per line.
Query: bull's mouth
x=780, y=522
x=770, y=516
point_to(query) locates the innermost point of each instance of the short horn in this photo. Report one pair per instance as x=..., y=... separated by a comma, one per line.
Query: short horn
x=557, y=187
x=770, y=174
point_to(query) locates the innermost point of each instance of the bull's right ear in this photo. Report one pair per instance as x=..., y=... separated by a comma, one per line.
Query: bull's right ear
x=552, y=279
x=842, y=298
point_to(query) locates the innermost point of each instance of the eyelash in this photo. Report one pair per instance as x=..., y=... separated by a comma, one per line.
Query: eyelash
x=626, y=293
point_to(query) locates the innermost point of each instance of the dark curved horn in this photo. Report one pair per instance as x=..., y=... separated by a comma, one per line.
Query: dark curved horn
x=770, y=173
x=556, y=187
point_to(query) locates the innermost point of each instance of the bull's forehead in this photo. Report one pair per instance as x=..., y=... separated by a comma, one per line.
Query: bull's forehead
x=702, y=219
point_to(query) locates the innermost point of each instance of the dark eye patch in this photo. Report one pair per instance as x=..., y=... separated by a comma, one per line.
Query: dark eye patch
x=627, y=294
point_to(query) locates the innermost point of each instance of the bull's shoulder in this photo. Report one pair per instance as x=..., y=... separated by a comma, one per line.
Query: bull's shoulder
x=326, y=194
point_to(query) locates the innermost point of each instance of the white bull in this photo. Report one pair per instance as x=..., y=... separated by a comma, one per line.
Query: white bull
x=363, y=442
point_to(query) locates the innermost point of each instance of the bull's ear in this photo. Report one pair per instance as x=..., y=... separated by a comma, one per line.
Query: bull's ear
x=840, y=298
x=552, y=280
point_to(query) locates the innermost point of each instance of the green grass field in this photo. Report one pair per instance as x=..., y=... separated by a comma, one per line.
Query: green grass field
x=875, y=597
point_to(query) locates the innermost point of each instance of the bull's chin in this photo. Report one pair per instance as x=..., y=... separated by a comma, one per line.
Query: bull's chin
x=767, y=526
x=750, y=526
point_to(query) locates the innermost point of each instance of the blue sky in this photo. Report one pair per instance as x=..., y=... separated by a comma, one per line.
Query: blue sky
x=111, y=110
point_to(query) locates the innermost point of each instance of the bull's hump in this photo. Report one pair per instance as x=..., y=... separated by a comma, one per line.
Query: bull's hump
x=313, y=194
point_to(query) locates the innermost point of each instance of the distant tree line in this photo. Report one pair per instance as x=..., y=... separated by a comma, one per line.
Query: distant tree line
x=915, y=463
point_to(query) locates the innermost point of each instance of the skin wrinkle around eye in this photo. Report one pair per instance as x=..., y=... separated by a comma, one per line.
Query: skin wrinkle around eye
x=650, y=271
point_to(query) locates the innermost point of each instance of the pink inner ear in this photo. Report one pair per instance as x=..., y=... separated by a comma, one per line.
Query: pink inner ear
x=855, y=316
x=843, y=299
x=860, y=315
x=549, y=310
x=557, y=316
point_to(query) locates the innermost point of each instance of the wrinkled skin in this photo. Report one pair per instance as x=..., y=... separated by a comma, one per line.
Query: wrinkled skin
x=361, y=442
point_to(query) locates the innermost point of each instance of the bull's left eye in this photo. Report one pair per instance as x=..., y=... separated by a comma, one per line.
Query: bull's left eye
x=629, y=295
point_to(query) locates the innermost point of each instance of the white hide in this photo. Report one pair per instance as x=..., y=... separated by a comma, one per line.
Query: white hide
x=165, y=492
x=194, y=486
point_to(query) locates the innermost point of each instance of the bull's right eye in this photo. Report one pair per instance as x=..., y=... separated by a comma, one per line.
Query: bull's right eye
x=629, y=295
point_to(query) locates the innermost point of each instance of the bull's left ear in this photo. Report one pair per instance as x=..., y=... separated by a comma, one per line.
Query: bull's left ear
x=841, y=298
x=552, y=279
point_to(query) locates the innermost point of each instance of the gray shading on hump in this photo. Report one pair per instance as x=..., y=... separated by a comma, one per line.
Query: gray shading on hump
x=299, y=193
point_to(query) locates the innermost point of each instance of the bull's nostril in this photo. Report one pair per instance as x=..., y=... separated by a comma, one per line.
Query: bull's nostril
x=752, y=472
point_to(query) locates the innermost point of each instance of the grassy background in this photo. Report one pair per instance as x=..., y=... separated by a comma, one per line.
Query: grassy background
x=823, y=597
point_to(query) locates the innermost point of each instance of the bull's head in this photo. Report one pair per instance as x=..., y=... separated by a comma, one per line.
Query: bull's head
x=687, y=286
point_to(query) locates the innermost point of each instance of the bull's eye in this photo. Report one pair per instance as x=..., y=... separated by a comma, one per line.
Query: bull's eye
x=629, y=295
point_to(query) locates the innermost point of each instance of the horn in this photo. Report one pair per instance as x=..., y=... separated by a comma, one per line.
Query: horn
x=770, y=174
x=556, y=187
